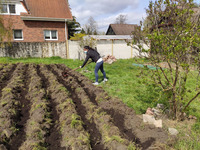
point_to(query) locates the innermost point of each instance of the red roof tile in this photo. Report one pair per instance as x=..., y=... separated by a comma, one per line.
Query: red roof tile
x=48, y=9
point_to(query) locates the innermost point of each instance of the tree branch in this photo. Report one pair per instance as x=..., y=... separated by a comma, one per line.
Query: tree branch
x=165, y=76
x=191, y=100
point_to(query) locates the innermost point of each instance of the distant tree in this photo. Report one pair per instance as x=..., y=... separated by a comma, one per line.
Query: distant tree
x=121, y=19
x=173, y=37
x=196, y=5
x=91, y=27
x=83, y=31
x=73, y=27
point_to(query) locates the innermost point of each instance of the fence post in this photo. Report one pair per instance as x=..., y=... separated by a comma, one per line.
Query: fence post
x=67, y=49
x=131, y=50
x=112, y=46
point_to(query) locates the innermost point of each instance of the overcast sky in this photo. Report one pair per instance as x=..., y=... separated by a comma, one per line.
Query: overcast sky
x=105, y=12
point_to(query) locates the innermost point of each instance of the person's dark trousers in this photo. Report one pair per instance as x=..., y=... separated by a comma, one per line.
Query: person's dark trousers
x=99, y=66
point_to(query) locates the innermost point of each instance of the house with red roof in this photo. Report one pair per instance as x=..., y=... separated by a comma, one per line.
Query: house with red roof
x=36, y=20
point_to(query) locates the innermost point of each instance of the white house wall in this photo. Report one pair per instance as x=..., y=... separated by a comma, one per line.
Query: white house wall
x=20, y=9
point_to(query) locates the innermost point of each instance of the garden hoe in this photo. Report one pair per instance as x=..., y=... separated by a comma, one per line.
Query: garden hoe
x=65, y=73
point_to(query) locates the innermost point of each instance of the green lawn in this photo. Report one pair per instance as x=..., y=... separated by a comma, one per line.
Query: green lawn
x=126, y=82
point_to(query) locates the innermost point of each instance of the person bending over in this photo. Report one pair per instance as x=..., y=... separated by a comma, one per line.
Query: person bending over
x=94, y=55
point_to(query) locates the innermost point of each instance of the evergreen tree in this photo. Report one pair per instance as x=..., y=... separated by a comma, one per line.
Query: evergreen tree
x=73, y=27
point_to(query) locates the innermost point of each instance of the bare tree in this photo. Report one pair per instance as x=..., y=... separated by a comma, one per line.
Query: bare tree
x=91, y=27
x=121, y=19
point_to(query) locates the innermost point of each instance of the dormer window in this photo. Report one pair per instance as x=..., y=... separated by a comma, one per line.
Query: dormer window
x=7, y=9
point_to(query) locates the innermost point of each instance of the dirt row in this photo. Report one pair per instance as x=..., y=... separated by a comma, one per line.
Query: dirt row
x=132, y=126
x=42, y=110
x=11, y=102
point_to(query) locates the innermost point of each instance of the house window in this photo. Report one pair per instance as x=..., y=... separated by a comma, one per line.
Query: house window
x=4, y=9
x=18, y=34
x=7, y=9
x=12, y=9
x=50, y=35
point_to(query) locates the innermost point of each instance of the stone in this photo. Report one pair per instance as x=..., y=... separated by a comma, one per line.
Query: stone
x=156, y=111
x=173, y=131
x=148, y=118
x=149, y=111
x=151, y=120
x=158, y=123
x=195, y=118
x=190, y=117
x=160, y=106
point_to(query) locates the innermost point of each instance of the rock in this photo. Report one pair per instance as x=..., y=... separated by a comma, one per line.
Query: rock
x=158, y=123
x=195, y=118
x=190, y=117
x=149, y=111
x=173, y=131
x=148, y=118
x=160, y=106
x=151, y=120
x=156, y=111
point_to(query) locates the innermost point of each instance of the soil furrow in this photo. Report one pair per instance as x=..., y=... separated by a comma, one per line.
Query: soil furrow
x=10, y=106
x=102, y=121
x=118, y=119
x=6, y=75
x=90, y=126
x=38, y=124
x=2, y=66
x=53, y=137
x=123, y=117
x=17, y=140
x=70, y=125
x=96, y=94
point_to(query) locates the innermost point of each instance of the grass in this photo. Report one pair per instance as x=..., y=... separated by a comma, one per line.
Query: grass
x=52, y=60
x=126, y=82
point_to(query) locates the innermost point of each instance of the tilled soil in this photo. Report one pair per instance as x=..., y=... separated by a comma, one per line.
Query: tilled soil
x=39, y=109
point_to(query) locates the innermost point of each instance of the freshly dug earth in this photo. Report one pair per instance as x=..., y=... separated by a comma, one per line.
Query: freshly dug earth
x=39, y=109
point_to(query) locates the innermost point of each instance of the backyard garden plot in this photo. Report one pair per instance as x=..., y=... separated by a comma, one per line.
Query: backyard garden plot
x=39, y=109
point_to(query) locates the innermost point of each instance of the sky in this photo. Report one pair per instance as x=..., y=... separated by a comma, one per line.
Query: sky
x=105, y=12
